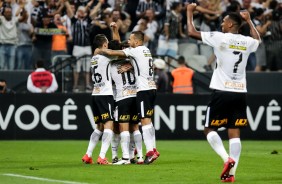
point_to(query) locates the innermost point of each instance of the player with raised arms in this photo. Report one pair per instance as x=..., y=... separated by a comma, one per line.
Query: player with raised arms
x=227, y=107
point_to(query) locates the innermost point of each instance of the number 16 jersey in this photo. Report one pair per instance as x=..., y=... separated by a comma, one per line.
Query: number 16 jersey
x=232, y=52
x=101, y=75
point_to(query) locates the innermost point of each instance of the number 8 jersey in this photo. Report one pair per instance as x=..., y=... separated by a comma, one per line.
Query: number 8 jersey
x=101, y=75
x=232, y=52
x=143, y=67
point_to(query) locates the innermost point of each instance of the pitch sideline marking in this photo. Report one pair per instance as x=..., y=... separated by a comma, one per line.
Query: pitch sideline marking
x=41, y=179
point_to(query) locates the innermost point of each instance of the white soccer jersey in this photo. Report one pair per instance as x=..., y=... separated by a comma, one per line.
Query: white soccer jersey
x=101, y=75
x=125, y=83
x=232, y=52
x=142, y=62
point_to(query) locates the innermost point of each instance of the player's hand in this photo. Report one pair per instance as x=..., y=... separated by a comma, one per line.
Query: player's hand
x=191, y=7
x=245, y=15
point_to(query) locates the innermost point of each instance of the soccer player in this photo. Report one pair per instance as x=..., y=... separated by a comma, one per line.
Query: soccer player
x=227, y=107
x=146, y=88
x=102, y=100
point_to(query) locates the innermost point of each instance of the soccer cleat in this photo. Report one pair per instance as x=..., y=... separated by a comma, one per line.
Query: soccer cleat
x=102, y=161
x=226, y=168
x=133, y=161
x=115, y=160
x=140, y=160
x=156, y=154
x=122, y=162
x=149, y=157
x=86, y=159
x=229, y=179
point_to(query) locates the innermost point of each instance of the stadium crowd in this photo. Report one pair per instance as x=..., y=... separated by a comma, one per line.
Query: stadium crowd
x=31, y=30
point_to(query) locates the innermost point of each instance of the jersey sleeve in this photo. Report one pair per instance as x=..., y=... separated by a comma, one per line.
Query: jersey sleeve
x=211, y=38
x=253, y=44
x=129, y=52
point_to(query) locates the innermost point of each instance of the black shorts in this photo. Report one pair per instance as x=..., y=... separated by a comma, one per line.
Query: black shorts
x=103, y=108
x=226, y=109
x=126, y=111
x=145, y=103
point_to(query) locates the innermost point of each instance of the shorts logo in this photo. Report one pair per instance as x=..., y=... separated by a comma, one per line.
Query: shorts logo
x=219, y=122
x=150, y=112
x=241, y=122
x=124, y=117
x=135, y=118
x=105, y=116
x=96, y=118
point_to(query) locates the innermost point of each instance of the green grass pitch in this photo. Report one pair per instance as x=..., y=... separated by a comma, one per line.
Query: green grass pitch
x=189, y=162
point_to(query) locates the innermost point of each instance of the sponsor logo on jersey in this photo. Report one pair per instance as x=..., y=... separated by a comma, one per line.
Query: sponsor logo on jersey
x=219, y=122
x=237, y=47
x=241, y=122
x=234, y=85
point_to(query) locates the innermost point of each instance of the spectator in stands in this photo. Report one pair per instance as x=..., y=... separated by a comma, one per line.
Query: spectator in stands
x=261, y=25
x=24, y=49
x=151, y=31
x=168, y=40
x=41, y=80
x=4, y=88
x=102, y=26
x=160, y=76
x=273, y=42
x=182, y=78
x=122, y=20
x=145, y=5
x=8, y=39
x=81, y=44
x=59, y=41
x=42, y=40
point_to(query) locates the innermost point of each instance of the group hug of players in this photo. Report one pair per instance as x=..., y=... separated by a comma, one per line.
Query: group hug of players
x=123, y=95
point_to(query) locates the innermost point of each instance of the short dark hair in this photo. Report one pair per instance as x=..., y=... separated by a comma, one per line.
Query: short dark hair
x=181, y=60
x=236, y=17
x=40, y=63
x=3, y=80
x=99, y=40
x=139, y=35
x=174, y=5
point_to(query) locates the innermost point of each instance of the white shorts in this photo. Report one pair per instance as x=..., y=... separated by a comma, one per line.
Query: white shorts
x=83, y=62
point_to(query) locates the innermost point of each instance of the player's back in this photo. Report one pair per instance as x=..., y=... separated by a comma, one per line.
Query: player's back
x=142, y=62
x=101, y=75
x=125, y=83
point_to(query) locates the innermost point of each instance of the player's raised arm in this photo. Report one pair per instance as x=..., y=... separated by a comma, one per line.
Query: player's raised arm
x=115, y=33
x=191, y=28
x=109, y=52
x=254, y=33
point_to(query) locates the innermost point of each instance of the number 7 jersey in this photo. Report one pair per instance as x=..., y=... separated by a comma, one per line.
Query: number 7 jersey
x=143, y=67
x=232, y=52
x=101, y=75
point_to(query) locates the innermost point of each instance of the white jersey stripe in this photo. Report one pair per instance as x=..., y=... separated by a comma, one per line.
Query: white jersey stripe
x=207, y=117
x=142, y=109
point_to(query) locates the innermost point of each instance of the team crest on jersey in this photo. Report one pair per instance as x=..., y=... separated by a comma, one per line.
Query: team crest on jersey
x=219, y=122
x=135, y=118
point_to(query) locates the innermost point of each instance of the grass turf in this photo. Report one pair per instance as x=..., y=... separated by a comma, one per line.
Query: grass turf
x=192, y=162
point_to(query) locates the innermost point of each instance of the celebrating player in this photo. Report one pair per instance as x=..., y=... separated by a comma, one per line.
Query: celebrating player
x=227, y=107
x=146, y=88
